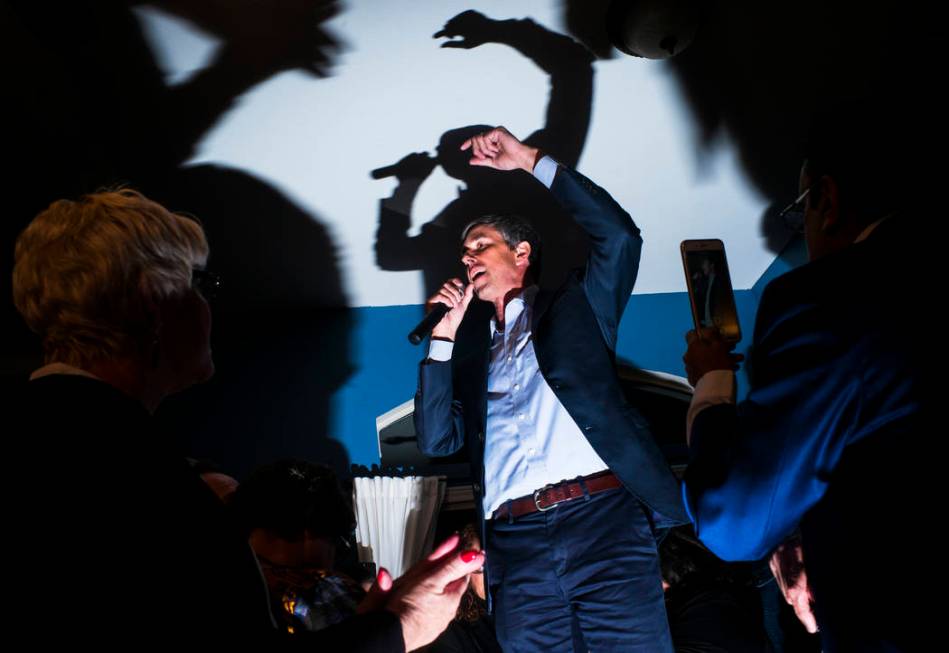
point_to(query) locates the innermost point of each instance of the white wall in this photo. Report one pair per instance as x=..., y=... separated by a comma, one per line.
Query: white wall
x=395, y=91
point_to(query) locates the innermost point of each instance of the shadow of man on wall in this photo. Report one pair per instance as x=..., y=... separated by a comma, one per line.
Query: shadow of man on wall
x=436, y=249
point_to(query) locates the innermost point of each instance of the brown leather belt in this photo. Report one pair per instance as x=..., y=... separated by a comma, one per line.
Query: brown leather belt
x=552, y=496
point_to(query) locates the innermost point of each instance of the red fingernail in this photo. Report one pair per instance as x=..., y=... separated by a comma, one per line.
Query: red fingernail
x=380, y=575
x=468, y=556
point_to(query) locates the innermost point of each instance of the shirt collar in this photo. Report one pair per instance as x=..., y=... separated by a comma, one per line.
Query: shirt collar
x=515, y=307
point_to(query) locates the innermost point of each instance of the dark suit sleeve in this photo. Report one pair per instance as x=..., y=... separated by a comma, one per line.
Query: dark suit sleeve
x=755, y=469
x=615, y=247
x=438, y=418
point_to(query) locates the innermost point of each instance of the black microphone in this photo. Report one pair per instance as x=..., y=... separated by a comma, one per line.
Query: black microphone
x=385, y=171
x=428, y=323
x=414, y=166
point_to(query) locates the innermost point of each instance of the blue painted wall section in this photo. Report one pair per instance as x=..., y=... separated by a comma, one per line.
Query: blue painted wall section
x=651, y=336
x=793, y=255
x=384, y=377
x=652, y=332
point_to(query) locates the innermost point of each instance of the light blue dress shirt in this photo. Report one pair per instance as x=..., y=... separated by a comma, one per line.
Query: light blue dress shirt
x=530, y=439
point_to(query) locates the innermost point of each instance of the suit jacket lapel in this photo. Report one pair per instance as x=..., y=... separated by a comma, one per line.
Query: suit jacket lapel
x=541, y=303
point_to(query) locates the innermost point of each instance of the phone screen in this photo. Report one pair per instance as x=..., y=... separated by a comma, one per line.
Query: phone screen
x=710, y=290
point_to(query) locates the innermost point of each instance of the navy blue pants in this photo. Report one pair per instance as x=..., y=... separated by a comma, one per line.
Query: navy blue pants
x=583, y=576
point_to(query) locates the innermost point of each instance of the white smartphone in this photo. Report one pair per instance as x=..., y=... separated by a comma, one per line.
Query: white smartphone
x=710, y=287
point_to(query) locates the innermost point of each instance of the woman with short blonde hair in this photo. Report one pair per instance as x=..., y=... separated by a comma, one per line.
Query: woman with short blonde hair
x=114, y=285
x=87, y=270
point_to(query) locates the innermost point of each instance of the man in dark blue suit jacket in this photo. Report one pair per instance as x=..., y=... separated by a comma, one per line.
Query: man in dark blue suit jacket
x=827, y=436
x=531, y=389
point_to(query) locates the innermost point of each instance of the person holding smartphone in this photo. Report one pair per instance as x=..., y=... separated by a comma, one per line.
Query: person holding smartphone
x=840, y=401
